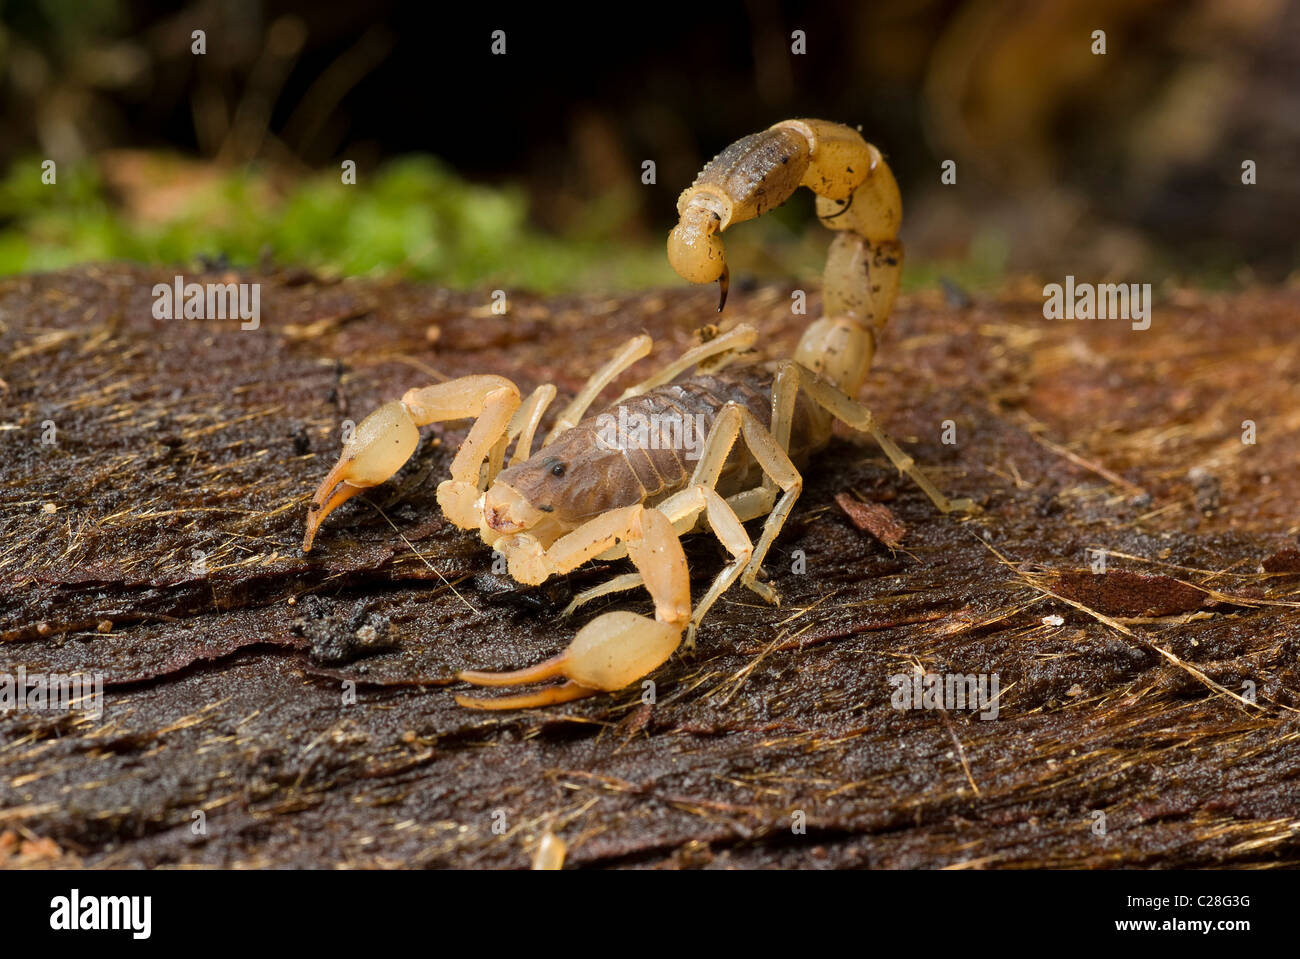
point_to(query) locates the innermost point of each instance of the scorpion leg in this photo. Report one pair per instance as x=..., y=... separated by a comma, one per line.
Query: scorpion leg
x=702, y=497
x=794, y=377
x=618, y=584
x=633, y=350
x=524, y=423
x=785, y=389
x=733, y=341
x=385, y=439
x=777, y=469
x=781, y=479
x=616, y=648
x=683, y=520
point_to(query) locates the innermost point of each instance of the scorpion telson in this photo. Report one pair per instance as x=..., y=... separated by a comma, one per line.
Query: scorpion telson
x=580, y=498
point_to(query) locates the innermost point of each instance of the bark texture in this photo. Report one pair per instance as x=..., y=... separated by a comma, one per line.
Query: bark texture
x=156, y=539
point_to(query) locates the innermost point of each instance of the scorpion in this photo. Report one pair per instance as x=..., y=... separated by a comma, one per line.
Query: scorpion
x=595, y=493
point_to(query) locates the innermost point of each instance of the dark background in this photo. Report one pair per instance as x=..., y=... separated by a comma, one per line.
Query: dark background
x=1127, y=164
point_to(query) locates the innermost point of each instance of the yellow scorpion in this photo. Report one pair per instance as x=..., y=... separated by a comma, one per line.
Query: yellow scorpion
x=600, y=489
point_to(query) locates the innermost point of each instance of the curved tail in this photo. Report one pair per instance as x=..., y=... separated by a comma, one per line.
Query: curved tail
x=856, y=196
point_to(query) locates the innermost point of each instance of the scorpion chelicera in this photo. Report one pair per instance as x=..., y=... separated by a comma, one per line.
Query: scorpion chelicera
x=599, y=489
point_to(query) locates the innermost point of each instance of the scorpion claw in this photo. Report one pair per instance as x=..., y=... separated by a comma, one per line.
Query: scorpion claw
x=548, y=669
x=549, y=696
x=331, y=494
x=610, y=652
x=724, y=284
x=382, y=442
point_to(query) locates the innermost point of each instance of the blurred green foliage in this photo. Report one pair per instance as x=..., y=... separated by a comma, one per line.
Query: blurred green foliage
x=413, y=218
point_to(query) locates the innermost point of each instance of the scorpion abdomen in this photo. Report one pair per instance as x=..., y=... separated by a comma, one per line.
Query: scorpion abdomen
x=662, y=432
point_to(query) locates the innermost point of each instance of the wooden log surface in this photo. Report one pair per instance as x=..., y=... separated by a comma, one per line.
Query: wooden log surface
x=153, y=537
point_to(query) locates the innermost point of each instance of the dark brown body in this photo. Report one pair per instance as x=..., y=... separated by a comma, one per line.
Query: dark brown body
x=582, y=474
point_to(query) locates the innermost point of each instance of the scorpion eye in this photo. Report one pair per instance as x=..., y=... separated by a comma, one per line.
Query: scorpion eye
x=557, y=469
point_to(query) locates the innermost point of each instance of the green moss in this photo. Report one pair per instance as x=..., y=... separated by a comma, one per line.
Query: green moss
x=412, y=217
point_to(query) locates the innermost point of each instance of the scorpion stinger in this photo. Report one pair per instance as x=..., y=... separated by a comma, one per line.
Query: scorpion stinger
x=596, y=491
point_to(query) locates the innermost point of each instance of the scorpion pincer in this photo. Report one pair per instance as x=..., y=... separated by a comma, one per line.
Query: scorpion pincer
x=591, y=493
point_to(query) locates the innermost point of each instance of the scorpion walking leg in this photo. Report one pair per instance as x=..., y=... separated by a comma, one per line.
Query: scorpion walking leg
x=733, y=341
x=785, y=389
x=616, y=648
x=701, y=497
x=618, y=584
x=524, y=423
x=385, y=439
x=733, y=422
x=633, y=350
x=775, y=460
x=853, y=414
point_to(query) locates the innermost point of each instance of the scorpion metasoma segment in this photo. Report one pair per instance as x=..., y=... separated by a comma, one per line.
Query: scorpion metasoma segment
x=602, y=488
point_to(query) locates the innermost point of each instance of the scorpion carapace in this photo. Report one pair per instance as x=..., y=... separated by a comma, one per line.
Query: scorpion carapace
x=663, y=459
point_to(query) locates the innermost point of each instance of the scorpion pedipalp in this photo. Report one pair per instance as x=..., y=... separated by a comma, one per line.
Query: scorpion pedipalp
x=614, y=649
